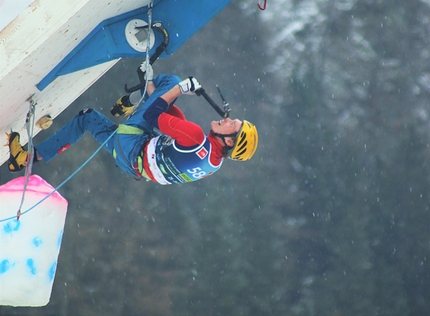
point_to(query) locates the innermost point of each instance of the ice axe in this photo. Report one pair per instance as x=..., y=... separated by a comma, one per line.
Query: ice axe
x=226, y=106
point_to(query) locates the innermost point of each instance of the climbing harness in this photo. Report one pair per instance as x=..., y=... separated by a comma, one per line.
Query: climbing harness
x=138, y=168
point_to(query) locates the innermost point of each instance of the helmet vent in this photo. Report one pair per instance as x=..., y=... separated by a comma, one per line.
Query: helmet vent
x=242, y=148
x=242, y=139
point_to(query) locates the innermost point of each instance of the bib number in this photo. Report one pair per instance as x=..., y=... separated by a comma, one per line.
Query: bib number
x=197, y=173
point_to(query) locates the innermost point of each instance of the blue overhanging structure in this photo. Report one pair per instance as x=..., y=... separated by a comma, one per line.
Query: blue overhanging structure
x=181, y=19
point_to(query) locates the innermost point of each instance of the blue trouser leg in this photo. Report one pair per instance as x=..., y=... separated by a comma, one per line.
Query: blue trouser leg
x=99, y=126
x=163, y=83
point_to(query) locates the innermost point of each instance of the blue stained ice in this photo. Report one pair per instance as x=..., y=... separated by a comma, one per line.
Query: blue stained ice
x=37, y=241
x=13, y=225
x=51, y=272
x=60, y=238
x=31, y=266
x=4, y=266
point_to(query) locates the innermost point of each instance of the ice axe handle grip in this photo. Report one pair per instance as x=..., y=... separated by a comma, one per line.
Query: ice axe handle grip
x=202, y=92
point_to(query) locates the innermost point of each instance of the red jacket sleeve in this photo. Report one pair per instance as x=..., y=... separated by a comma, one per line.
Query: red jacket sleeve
x=175, y=111
x=185, y=133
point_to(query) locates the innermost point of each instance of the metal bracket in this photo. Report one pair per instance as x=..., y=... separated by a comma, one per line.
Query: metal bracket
x=136, y=34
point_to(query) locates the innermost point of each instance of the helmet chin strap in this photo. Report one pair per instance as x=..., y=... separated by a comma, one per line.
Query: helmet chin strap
x=223, y=136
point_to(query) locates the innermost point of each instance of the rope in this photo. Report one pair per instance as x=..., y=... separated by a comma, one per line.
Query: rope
x=148, y=41
x=30, y=127
x=67, y=180
x=29, y=124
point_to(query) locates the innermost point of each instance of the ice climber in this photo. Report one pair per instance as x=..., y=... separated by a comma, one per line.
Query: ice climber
x=180, y=152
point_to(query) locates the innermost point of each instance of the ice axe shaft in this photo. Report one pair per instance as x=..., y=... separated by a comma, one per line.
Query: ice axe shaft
x=224, y=114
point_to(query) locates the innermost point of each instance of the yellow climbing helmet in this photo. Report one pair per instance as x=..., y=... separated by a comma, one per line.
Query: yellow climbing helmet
x=246, y=142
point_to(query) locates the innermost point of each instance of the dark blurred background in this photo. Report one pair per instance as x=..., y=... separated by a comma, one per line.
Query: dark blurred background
x=329, y=218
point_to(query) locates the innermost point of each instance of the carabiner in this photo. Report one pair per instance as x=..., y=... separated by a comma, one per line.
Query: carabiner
x=262, y=8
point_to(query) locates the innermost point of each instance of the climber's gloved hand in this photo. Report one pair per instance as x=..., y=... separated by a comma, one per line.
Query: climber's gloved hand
x=189, y=86
x=149, y=73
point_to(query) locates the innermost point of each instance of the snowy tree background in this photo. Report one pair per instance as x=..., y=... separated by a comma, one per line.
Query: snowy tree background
x=330, y=217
